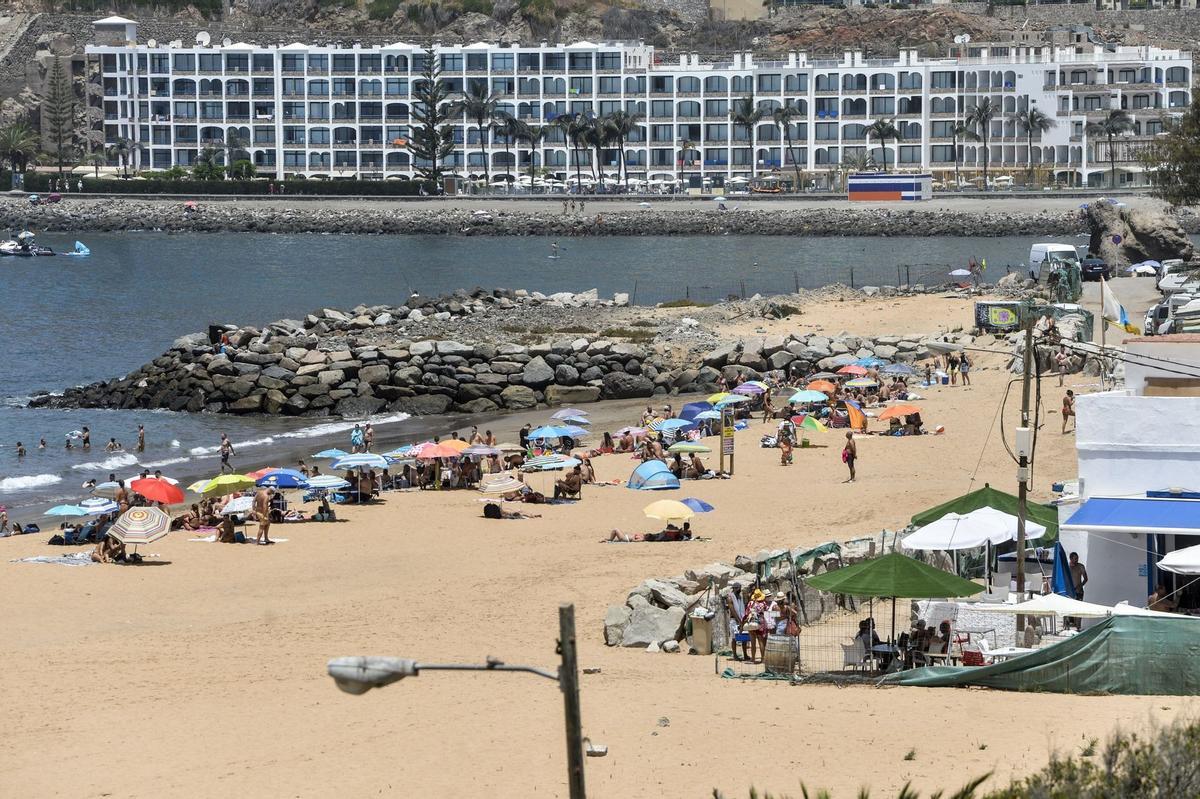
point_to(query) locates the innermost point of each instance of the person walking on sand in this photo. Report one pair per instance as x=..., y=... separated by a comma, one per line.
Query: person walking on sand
x=1062, y=361
x=226, y=451
x=141, y=445
x=1068, y=410
x=262, y=509
x=850, y=455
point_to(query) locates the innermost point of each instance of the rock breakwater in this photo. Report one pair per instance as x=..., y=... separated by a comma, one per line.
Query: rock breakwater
x=357, y=362
x=517, y=219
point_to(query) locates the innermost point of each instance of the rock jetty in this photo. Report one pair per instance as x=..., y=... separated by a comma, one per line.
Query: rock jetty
x=405, y=358
x=511, y=218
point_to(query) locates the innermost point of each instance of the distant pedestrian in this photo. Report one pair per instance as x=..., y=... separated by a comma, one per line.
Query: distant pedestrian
x=20, y=450
x=79, y=184
x=356, y=439
x=87, y=438
x=1068, y=410
x=564, y=207
x=141, y=441
x=368, y=436
x=964, y=368
x=226, y=451
x=850, y=455
x=1062, y=362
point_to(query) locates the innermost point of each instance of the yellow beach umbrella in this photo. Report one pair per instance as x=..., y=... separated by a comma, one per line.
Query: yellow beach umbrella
x=455, y=444
x=720, y=395
x=669, y=510
x=224, y=484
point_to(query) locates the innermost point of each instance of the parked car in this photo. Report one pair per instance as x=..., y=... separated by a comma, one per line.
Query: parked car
x=1094, y=269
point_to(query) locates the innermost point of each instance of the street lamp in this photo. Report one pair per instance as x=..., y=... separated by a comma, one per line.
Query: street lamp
x=359, y=674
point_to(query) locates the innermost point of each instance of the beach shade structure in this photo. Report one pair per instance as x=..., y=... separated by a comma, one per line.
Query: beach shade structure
x=238, y=505
x=504, y=484
x=668, y=510
x=824, y=386
x=128, y=481
x=1055, y=605
x=896, y=411
x=988, y=497
x=97, y=506
x=456, y=444
x=550, y=463
x=224, y=484
x=550, y=431
x=331, y=454
x=1182, y=561
x=895, y=576
x=574, y=421
x=971, y=530
x=430, y=451
x=106, y=489
x=809, y=422
x=732, y=400
x=400, y=452
x=898, y=369
x=158, y=490
x=824, y=376
x=698, y=505
x=750, y=387
x=199, y=485
x=636, y=432
x=363, y=460
x=1061, y=581
x=870, y=362
x=282, y=478
x=713, y=399
x=861, y=382
x=257, y=473
x=852, y=369
x=481, y=450
x=652, y=476
x=671, y=424
x=140, y=526
x=688, y=447
x=67, y=510
x=706, y=416
x=327, y=482
x=693, y=409
x=568, y=413
x=960, y=273
x=805, y=395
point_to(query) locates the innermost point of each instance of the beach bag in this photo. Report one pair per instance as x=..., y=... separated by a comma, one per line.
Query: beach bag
x=56, y=540
x=766, y=442
x=792, y=629
x=845, y=456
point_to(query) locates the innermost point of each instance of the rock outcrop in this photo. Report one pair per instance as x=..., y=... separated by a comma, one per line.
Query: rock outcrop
x=1123, y=236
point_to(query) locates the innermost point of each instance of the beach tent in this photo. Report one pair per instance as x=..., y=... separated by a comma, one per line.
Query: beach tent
x=988, y=497
x=1133, y=655
x=969, y=531
x=652, y=476
x=1055, y=605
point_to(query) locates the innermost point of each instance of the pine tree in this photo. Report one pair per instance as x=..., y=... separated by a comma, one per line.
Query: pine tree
x=58, y=113
x=1172, y=161
x=431, y=140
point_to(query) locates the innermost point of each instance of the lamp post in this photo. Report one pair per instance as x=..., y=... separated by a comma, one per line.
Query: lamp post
x=359, y=674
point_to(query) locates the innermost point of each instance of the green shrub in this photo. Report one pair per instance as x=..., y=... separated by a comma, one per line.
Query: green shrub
x=685, y=303
x=40, y=181
x=382, y=9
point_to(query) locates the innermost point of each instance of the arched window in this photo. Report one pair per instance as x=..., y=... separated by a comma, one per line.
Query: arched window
x=800, y=105
x=1177, y=75
x=688, y=85
x=743, y=84
x=854, y=132
x=854, y=107
x=345, y=135
x=769, y=106
x=688, y=108
x=716, y=83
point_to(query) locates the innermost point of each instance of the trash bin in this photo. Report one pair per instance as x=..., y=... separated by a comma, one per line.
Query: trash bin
x=702, y=635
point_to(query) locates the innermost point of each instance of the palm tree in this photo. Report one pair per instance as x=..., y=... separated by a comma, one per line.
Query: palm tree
x=534, y=135
x=18, y=143
x=684, y=145
x=1114, y=123
x=621, y=124
x=597, y=135
x=748, y=115
x=509, y=127
x=122, y=150
x=960, y=131
x=95, y=160
x=882, y=130
x=575, y=128
x=783, y=118
x=980, y=117
x=1032, y=121
x=479, y=106
x=233, y=143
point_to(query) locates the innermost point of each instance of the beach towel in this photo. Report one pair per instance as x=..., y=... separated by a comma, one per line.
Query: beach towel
x=73, y=559
x=211, y=539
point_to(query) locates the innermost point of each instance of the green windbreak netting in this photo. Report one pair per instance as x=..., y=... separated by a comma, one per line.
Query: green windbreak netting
x=1120, y=655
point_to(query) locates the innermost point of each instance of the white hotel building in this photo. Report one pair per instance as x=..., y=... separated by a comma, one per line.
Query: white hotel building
x=304, y=110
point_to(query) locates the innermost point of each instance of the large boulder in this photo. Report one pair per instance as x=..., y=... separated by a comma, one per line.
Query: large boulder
x=1123, y=236
x=518, y=398
x=537, y=373
x=615, y=621
x=422, y=405
x=373, y=374
x=652, y=625
x=668, y=594
x=359, y=407
x=619, y=385
x=571, y=395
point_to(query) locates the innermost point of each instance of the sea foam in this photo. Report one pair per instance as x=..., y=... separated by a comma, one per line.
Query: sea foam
x=28, y=482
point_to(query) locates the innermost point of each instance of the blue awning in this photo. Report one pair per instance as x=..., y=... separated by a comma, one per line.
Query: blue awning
x=1106, y=514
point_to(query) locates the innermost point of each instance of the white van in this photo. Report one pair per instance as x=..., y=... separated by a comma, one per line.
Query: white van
x=1049, y=256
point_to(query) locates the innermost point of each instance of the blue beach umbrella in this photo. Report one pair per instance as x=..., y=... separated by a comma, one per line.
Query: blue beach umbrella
x=552, y=431
x=871, y=362
x=808, y=395
x=283, y=478
x=323, y=482
x=67, y=510
x=706, y=415
x=698, y=505
x=674, y=424
x=331, y=453
x=899, y=369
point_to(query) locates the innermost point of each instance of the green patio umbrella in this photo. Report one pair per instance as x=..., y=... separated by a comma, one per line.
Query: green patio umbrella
x=893, y=575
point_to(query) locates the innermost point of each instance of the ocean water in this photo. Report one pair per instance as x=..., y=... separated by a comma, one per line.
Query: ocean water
x=69, y=321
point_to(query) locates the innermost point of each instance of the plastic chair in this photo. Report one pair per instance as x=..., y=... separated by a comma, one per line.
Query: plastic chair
x=853, y=655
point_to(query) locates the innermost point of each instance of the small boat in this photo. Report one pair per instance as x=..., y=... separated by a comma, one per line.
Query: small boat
x=24, y=246
x=80, y=250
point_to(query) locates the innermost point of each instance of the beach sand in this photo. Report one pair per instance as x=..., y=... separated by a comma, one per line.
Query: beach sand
x=204, y=673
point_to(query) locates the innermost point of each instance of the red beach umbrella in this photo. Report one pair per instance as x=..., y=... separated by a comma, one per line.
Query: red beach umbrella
x=157, y=490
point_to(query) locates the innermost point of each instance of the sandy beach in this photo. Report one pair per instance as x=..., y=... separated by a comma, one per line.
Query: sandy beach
x=202, y=672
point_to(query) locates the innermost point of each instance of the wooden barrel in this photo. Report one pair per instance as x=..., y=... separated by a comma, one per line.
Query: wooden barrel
x=782, y=654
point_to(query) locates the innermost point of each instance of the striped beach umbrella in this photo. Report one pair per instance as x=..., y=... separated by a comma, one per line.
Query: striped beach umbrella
x=861, y=382
x=569, y=413
x=95, y=506
x=324, y=482
x=361, y=460
x=331, y=454
x=107, y=489
x=140, y=526
x=506, y=484
x=688, y=447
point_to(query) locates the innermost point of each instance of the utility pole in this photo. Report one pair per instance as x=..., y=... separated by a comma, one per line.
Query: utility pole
x=1024, y=447
x=568, y=681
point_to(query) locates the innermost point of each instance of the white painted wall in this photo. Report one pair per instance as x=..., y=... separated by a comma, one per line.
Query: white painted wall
x=1184, y=354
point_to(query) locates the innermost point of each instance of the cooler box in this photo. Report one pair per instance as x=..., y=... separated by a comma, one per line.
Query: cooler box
x=702, y=636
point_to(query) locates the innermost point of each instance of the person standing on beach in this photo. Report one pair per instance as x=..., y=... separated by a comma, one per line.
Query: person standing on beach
x=226, y=451
x=356, y=439
x=850, y=455
x=1068, y=410
x=525, y=436
x=368, y=437
x=141, y=445
x=262, y=509
x=1061, y=362
x=87, y=438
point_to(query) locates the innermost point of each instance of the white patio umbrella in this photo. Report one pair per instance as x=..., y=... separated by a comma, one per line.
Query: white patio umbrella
x=238, y=505
x=970, y=530
x=1182, y=561
x=1055, y=605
